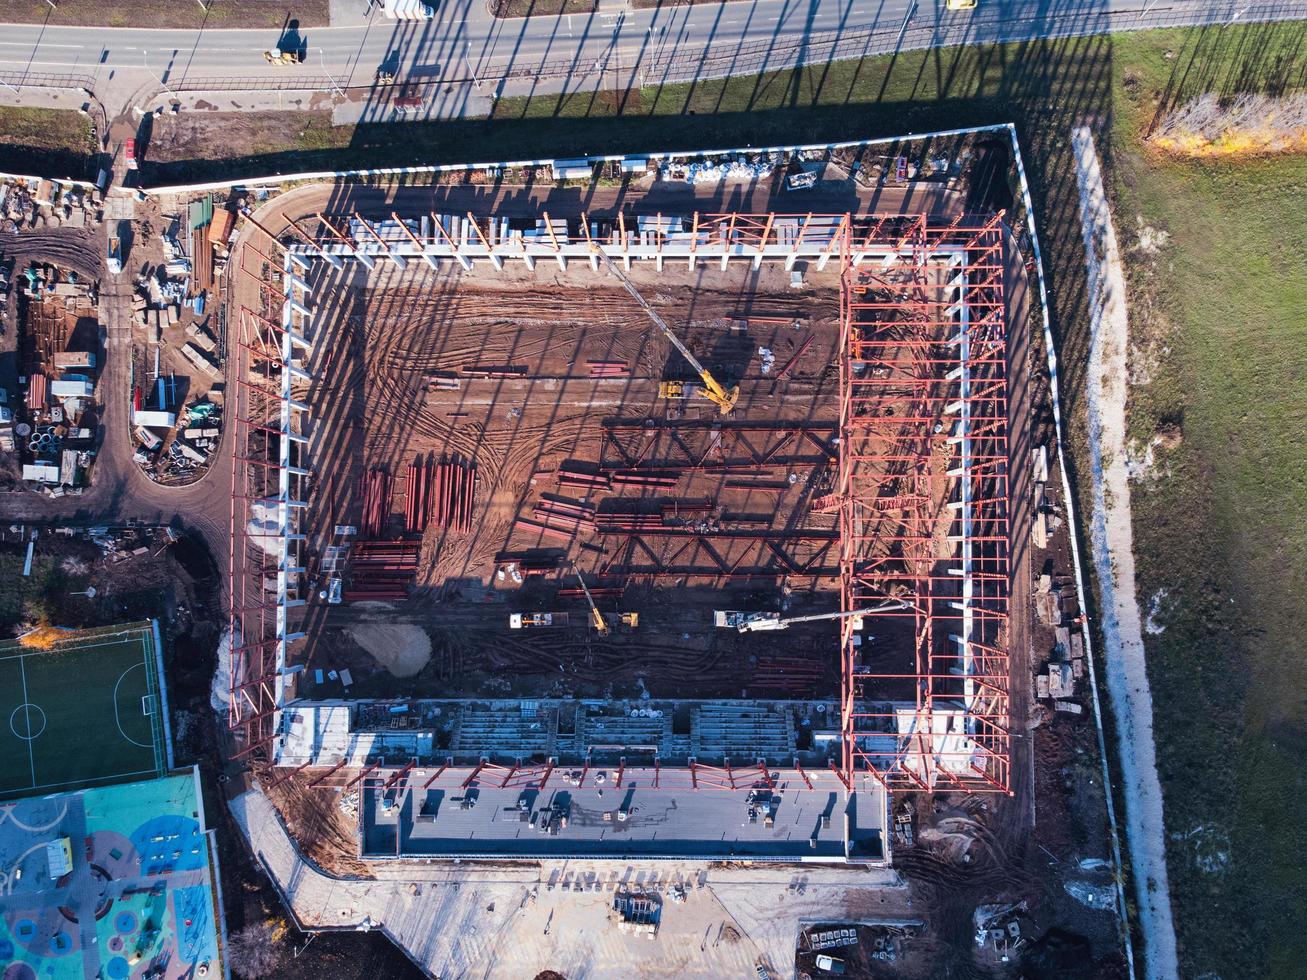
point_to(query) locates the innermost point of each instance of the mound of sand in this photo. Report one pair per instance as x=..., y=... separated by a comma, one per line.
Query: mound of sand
x=402, y=649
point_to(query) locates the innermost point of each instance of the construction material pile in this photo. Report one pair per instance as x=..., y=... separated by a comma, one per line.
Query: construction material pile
x=381, y=570
x=441, y=489
x=375, y=488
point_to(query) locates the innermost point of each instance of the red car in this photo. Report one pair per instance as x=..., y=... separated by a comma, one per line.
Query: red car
x=129, y=153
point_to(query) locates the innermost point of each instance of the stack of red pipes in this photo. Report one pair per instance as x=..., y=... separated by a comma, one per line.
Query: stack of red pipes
x=451, y=495
x=375, y=488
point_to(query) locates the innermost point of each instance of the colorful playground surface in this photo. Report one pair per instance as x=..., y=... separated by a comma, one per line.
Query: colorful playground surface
x=80, y=708
x=113, y=882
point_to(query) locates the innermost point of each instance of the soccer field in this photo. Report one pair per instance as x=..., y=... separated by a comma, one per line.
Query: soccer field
x=87, y=711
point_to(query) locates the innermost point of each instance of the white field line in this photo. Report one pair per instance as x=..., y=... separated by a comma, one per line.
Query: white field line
x=1111, y=538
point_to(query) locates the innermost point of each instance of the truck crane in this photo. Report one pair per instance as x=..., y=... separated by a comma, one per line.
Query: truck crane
x=762, y=622
x=712, y=389
x=596, y=617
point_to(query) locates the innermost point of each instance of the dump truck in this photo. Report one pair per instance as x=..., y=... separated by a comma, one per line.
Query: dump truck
x=114, y=260
x=408, y=10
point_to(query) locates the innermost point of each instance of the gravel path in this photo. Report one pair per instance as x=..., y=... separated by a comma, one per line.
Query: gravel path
x=1114, y=563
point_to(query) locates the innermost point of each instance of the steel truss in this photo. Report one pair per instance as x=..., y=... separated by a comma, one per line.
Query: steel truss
x=716, y=445
x=923, y=507
x=680, y=553
x=269, y=491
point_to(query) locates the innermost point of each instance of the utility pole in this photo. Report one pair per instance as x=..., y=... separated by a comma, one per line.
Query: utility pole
x=328, y=74
x=467, y=56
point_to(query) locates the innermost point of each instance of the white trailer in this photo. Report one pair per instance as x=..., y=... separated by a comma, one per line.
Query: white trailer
x=408, y=10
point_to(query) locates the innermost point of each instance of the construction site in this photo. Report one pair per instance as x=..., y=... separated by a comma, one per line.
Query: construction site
x=527, y=464
x=636, y=533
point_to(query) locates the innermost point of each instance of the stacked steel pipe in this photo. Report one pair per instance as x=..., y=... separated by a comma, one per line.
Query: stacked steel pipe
x=382, y=569
x=627, y=523
x=451, y=496
x=375, y=488
x=569, y=476
x=661, y=479
x=417, y=499
x=608, y=369
x=563, y=515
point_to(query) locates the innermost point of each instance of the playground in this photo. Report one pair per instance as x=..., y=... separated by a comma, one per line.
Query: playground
x=80, y=708
x=113, y=882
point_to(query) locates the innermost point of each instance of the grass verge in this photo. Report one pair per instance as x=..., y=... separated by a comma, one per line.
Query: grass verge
x=541, y=8
x=245, y=14
x=57, y=142
x=1218, y=286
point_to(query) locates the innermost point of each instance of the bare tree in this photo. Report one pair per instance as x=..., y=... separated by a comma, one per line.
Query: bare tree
x=256, y=951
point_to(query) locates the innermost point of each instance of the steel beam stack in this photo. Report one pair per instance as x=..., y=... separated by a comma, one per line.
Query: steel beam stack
x=382, y=569
x=375, y=488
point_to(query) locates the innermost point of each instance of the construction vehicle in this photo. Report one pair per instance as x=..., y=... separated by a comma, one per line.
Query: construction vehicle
x=536, y=620
x=596, y=617
x=279, y=57
x=764, y=622
x=712, y=389
x=114, y=259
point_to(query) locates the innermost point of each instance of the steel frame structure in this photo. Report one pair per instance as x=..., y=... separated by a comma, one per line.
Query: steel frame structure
x=922, y=487
x=923, y=507
x=269, y=474
x=696, y=444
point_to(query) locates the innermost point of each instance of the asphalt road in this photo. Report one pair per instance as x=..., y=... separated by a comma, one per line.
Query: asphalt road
x=464, y=43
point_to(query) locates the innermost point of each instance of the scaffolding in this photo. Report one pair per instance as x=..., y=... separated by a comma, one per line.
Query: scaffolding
x=269, y=487
x=923, y=504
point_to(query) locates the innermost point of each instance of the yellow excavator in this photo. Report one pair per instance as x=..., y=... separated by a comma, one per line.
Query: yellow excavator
x=712, y=389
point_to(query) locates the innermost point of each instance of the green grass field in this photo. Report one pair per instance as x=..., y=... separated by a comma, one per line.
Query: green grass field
x=1221, y=539
x=85, y=712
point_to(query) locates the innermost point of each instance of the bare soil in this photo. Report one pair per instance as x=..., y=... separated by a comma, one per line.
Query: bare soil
x=390, y=337
x=219, y=129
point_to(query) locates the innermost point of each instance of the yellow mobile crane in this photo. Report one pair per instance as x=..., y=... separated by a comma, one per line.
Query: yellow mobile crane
x=596, y=617
x=712, y=389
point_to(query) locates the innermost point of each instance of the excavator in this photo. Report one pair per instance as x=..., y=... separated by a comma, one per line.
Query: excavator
x=712, y=389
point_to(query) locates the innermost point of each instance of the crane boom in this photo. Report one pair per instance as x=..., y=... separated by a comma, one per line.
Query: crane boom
x=767, y=622
x=601, y=626
x=713, y=390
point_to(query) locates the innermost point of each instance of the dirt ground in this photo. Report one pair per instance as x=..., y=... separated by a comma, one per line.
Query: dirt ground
x=392, y=334
x=304, y=124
